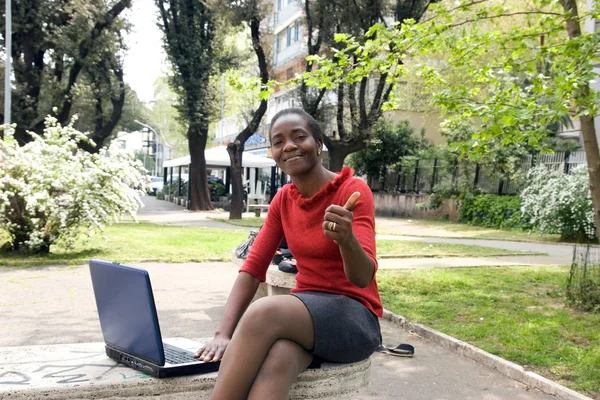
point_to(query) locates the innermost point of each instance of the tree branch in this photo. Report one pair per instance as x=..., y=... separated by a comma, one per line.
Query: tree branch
x=376, y=104
x=340, y=112
x=264, y=79
x=84, y=50
x=362, y=104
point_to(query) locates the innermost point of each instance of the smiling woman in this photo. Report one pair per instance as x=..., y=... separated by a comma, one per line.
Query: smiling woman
x=332, y=313
x=296, y=141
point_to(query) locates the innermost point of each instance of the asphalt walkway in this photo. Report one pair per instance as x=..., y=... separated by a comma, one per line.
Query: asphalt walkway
x=53, y=305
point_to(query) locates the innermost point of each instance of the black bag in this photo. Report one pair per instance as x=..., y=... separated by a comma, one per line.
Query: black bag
x=243, y=249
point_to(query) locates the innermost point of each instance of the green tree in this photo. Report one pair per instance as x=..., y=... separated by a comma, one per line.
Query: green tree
x=358, y=101
x=104, y=110
x=246, y=15
x=60, y=49
x=389, y=144
x=482, y=43
x=163, y=115
x=189, y=29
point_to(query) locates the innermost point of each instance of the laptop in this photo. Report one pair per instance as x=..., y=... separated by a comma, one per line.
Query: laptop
x=130, y=327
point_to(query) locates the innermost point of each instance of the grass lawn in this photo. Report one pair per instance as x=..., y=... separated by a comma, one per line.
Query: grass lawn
x=251, y=222
x=517, y=313
x=410, y=249
x=130, y=242
x=466, y=231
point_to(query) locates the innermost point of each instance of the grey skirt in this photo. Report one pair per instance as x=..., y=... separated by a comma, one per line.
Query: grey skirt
x=345, y=330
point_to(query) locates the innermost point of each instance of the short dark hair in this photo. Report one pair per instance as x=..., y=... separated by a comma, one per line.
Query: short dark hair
x=311, y=123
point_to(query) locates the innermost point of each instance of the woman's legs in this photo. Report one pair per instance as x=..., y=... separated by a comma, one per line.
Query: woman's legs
x=264, y=323
x=284, y=362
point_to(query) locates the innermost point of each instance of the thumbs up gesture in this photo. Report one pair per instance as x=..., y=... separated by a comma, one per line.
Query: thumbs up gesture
x=337, y=222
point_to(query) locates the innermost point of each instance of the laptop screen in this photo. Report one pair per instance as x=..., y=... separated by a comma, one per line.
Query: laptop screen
x=126, y=310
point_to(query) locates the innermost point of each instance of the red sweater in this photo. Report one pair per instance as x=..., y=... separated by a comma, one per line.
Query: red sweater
x=318, y=258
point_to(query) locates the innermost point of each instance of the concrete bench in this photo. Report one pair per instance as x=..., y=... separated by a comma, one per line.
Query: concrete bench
x=276, y=282
x=83, y=371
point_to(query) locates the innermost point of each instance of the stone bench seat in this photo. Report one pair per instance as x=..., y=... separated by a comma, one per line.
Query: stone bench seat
x=276, y=282
x=83, y=371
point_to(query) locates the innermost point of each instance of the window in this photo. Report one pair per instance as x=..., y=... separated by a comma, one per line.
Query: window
x=279, y=5
x=290, y=1
x=296, y=32
x=288, y=35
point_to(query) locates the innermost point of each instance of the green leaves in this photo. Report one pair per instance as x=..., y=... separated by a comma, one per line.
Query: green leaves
x=509, y=69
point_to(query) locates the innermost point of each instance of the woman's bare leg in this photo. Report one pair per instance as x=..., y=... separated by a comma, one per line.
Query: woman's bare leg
x=284, y=362
x=266, y=321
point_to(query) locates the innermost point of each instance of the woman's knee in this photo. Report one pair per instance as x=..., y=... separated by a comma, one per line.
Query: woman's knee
x=284, y=359
x=262, y=315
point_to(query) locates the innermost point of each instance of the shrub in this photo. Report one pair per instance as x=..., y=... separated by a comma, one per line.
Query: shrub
x=556, y=202
x=173, y=189
x=216, y=189
x=493, y=211
x=583, y=286
x=49, y=188
x=389, y=144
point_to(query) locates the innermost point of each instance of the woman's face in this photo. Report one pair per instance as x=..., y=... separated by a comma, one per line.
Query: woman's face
x=292, y=145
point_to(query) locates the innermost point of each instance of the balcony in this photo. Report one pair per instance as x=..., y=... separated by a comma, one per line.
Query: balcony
x=257, y=141
x=289, y=12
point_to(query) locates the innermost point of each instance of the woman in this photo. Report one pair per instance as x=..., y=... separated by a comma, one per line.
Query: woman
x=333, y=312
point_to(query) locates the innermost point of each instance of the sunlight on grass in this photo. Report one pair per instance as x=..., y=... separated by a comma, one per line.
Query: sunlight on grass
x=468, y=231
x=517, y=313
x=142, y=242
x=251, y=222
x=128, y=242
x=406, y=249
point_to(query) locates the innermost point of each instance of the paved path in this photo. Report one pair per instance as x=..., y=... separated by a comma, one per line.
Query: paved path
x=51, y=305
x=164, y=212
x=557, y=254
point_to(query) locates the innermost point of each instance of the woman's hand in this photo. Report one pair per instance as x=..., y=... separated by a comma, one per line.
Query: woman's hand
x=337, y=223
x=213, y=351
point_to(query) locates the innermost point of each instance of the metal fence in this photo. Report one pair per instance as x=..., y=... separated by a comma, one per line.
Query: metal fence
x=424, y=176
x=583, y=286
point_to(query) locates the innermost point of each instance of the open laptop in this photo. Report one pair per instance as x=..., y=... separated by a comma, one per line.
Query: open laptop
x=130, y=323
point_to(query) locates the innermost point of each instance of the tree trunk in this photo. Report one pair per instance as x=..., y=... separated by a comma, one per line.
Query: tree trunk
x=199, y=184
x=236, y=150
x=338, y=151
x=588, y=130
x=590, y=144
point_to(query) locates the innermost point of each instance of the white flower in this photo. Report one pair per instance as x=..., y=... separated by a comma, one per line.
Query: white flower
x=50, y=189
x=559, y=203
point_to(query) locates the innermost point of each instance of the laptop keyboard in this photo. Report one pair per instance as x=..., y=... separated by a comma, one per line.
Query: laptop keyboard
x=175, y=355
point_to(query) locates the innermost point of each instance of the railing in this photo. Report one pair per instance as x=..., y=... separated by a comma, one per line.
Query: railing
x=257, y=141
x=428, y=175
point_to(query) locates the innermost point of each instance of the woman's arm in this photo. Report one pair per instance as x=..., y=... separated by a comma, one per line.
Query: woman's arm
x=359, y=266
x=241, y=295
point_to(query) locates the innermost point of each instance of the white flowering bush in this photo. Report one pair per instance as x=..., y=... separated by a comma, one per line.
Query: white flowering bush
x=51, y=190
x=556, y=202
